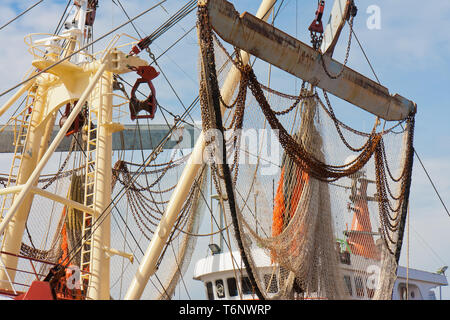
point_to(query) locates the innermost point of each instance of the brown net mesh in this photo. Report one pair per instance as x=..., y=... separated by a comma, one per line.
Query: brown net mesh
x=326, y=202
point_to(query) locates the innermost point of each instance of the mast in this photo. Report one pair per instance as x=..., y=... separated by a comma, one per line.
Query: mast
x=13, y=235
x=99, y=261
x=37, y=140
x=79, y=81
x=361, y=236
x=194, y=164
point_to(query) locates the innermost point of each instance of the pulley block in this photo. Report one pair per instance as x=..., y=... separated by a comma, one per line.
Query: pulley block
x=147, y=73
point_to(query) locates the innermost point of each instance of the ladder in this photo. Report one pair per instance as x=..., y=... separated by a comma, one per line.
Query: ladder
x=89, y=195
x=21, y=129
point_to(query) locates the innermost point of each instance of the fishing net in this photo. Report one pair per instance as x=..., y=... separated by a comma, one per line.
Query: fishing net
x=322, y=204
x=54, y=233
x=145, y=203
x=61, y=234
x=326, y=202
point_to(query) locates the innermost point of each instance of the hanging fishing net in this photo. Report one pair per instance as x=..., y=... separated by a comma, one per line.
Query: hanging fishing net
x=325, y=202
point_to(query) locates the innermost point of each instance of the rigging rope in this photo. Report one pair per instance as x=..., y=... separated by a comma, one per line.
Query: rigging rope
x=21, y=14
x=102, y=216
x=81, y=49
x=59, y=26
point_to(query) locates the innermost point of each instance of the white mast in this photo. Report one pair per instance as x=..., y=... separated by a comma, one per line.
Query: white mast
x=37, y=142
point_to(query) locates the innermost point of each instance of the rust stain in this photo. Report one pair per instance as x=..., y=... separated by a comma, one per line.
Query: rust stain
x=306, y=56
x=367, y=84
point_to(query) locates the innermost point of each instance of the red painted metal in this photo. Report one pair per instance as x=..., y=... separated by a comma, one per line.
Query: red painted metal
x=316, y=25
x=53, y=287
x=141, y=45
x=147, y=73
x=78, y=122
x=39, y=290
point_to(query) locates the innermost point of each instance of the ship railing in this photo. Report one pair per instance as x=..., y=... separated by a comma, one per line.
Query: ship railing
x=125, y=43
x=56, y=47
x=114, y=44
x=53, y=47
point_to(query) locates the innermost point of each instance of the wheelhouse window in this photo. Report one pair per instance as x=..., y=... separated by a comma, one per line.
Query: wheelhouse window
x=232, y=287
x=209, y=291
x=220, y=289
x=246, y=285
x=411, y=292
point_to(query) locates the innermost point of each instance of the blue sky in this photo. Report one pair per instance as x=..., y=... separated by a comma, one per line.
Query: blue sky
x=410, y=54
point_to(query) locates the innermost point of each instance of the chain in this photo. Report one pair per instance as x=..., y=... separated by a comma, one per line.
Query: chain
x=316, y=40
x=238, y=65
x=346, y=54
x=330, y=113
x=146, y=221
x=61, y=168
x=296, y=151
x=338, y=129
x=213, y=109
x=120, y=167
x=393, y=223
x=390, y=215
x=388, y=169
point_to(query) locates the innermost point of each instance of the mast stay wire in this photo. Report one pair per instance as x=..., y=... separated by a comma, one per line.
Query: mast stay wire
x=432, y=183
x=120, y=194
x=21, y=14
x=126, y=14
x=81, y=49
x=415, y=151
x=365, y=55
x=177, y=17
x=138, y=125
x=59, y=26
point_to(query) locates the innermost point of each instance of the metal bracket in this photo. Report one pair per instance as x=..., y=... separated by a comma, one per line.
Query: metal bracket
x=114, y=252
